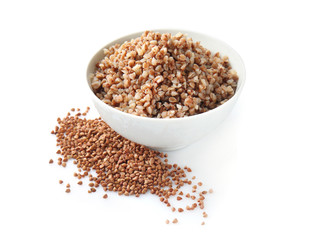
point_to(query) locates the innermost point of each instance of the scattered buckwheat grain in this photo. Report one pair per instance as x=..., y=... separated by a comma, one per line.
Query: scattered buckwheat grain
x=116, y=164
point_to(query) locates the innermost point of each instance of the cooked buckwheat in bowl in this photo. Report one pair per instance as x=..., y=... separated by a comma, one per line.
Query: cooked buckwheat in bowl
x=165, y=88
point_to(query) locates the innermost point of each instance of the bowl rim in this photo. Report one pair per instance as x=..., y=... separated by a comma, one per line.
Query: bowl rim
x=185, y=118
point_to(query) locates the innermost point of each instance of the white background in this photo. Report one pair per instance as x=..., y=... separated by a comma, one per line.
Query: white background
x=262, y=162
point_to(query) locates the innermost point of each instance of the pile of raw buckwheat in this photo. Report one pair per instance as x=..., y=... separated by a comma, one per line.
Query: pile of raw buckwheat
x=120, y=165
x=163, y=76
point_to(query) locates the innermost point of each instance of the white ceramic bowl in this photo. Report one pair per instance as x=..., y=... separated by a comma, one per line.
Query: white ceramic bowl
x=175, y=133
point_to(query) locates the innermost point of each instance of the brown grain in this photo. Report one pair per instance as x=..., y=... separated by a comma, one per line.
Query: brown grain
x=180, y=210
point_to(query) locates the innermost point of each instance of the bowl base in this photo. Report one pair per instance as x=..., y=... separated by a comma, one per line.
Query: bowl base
x=168, y=149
